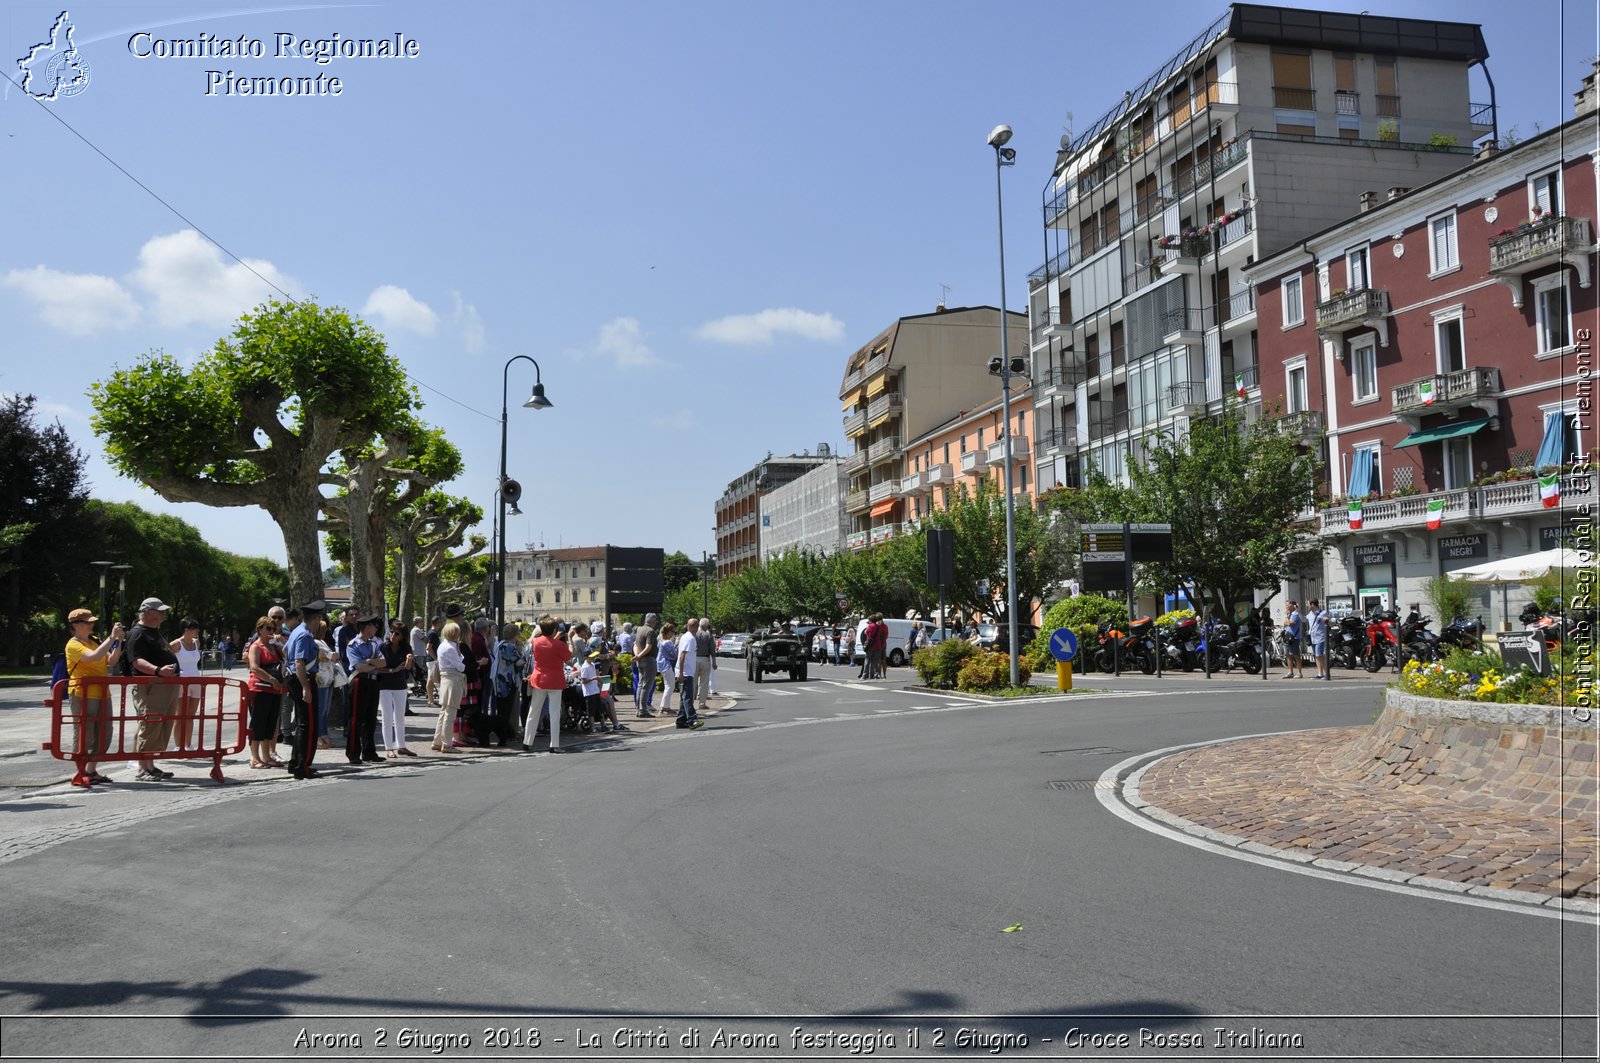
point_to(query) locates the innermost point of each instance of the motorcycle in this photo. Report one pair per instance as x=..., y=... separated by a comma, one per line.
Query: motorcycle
x=1180, y=645
x=1212, y=648
x=1418, y=642
x=1463, y=633
x=1347, y=643
x=1383, y=640
x=1126, y=651
x=1246, y=651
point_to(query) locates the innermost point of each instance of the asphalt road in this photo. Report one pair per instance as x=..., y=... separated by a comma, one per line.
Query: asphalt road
x=834, y=857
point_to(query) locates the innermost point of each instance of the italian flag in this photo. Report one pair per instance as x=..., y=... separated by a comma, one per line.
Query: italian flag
x=1425, y=392
x=1238, y=384
x=1435, y=513
x=1550, y=490
x=1355, y=514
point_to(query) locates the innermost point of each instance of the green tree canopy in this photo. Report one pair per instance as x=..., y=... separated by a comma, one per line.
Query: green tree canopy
x=1046, y=553
x=255, y=421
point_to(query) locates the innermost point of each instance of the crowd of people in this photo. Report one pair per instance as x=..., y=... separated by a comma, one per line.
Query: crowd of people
x=307, y=677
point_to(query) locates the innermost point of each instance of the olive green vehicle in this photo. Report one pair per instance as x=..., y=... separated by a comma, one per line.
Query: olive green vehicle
x=775, y=651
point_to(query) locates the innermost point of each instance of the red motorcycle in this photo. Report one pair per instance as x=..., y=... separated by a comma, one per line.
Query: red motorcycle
x=1383, y=639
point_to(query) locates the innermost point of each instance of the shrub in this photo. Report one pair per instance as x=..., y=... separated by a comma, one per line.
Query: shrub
x=1466, y=676
x=988, y=671
x=940, y=665
x=623, y=684
x=1079, y=613
x=1174, y=617
x=1448, y=598
x=1037, y=662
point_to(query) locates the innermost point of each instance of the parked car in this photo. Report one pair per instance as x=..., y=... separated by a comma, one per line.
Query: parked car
x=732, y=645
x=997, y=636
x=899, y=633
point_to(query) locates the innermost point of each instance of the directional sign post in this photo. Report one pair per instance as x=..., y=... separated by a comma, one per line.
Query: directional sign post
x=1063, y=647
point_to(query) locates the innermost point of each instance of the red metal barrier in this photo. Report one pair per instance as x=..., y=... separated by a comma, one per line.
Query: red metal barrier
x=213, y=725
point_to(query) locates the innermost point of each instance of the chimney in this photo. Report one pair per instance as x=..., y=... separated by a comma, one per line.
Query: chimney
x=1485, y=150
x=1585, y=101
x=1396, y=191
x=1368, y=199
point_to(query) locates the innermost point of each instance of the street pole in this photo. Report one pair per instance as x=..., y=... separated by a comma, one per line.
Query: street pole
x=122, y=587
x=1004, y=156
x=102, y=566
x=536, y=401
x=705, y=584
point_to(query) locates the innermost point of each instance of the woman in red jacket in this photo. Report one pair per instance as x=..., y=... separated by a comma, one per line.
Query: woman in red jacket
x=548, y=680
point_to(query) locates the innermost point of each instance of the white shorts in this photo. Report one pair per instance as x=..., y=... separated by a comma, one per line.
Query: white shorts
x=433, y=671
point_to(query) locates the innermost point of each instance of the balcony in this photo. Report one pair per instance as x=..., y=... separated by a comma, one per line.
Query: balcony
x=883, y=491
x=884, y=531
x=1521, y=497
x=1410, y=512
x=1106, y=424
x=1239, y=312
x=1053, y=268
x=1346, y=102
x=858, y=540
x=1445, y=392
x=913, y=484
x=1231, y=233
x=971, y=461
x=1307, y=426
x=1359, y=308
x=856, y=500
x=875, y=365
x=1388, y=106
x=1187, y=398
x=1065, y=436
x=1182, y=254
x=851, y=379
x=1057, y=205
x=855, y=423
x=856, y=462
x=1481, y=115
x=1223, y=159
x=883, y=407
x=1184, y=326
x=1537, y=246
x=1046, y=323
x=1289, y=99
x=1059, y=375
x=885, y=449
x=1019, y=450
x=938, y=476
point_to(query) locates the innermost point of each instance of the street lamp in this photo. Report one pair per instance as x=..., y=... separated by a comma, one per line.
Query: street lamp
x=102, y=566
x=507, y=489
x=122, y=586
x=1004, y=156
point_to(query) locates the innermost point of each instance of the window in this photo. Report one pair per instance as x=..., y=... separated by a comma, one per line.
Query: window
x=538, y=597
x=1375, y=486
x=1457, y=462
x=1295, y=387
x=538, y=573
x=591, y=594
x=1447, y=339
x=1022, y=470
x=591, y=572
x=1544, y=194
x=980, y=439
x=558, y=595
x=1552, y=313
x=947, y=453
x=1356, y=268
x=1291, y=81
x=1442, y=243
x=519, y=597
x=1294, y=308
x=1364, y=369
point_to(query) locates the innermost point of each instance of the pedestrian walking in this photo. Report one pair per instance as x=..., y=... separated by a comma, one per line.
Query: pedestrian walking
x=303, y=654
x=150, y=654
x=267, y=687
x=452, y=685
x=549, y=681
x=392, y=679
x=1316, y=621
x=87, y=661
x=646, y=644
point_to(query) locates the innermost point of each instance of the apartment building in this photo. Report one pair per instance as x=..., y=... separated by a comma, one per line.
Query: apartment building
x=914, y=375
x=738, y=511
x=1442, y=340
x=965, y=450
x=1261, y=130
x=806, y=513
x=583, y=582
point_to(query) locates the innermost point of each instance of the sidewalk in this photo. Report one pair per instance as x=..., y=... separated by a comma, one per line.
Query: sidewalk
x=23, y=765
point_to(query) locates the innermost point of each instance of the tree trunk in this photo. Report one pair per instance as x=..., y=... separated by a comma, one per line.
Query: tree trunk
x=406, y=578
x=297, y=519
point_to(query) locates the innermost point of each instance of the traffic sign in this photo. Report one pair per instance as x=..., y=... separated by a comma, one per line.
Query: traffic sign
x=1063, y=644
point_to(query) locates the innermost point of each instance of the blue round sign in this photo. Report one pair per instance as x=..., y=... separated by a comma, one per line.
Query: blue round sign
x=1063, y=644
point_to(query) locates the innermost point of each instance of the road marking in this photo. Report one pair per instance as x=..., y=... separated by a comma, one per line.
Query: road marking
x=852, y=686
x=885, y=710
x=931, y=694
x=1108, y=790
x=784, y=693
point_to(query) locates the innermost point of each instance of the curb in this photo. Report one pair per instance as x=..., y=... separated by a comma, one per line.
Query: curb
x=1118, y=790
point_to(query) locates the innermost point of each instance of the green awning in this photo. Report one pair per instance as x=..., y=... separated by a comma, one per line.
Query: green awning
x=1444, y=431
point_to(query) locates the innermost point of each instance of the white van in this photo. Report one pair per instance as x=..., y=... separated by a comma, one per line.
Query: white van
x=899, y=633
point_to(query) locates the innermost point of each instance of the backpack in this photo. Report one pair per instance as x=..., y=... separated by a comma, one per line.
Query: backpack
x=58, y=674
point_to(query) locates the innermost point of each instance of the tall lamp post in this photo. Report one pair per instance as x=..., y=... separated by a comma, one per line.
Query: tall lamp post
x=507, y=489
x=122, y=586
x=1004, y=156
x=102, y=566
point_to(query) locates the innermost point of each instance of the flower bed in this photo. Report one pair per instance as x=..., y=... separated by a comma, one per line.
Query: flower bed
x=1482, y=677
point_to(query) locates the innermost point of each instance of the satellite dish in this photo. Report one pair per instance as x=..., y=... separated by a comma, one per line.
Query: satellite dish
x=1066, y=141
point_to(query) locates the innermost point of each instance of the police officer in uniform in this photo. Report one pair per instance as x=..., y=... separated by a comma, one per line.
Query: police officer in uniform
x=301, y=657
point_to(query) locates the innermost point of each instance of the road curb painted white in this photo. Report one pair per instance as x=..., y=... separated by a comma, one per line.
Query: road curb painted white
x=1118, y=790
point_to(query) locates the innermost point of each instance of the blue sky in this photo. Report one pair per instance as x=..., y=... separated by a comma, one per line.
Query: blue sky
x=688, y=213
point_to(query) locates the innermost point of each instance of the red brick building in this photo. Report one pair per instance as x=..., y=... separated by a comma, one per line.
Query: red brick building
x=1441, y=336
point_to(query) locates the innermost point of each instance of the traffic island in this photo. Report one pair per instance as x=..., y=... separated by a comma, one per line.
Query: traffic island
x=1488, y=799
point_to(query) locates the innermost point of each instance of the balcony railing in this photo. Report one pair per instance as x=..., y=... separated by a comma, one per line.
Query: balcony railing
x=1522, y=496
x=1305, y=425
x=1388, y=106
x=1185, y=396
x=1107, y=424
x=884, y=405
x=1247, y=377
x=1184, y=324
x=1481, y=114
x=1060, y=375
x=883, y=449
x=884, y=531
x=855, y=423
x=1352, y=309
x=858, y=540
x=1053, y=268
x=1346, y=102
x=1240, y=304
x=1291, y=99
x=874, y=364
x=971, y=461
x=1214, y=165
x=1048, y=320
x=1187, y=247
x=1019, y=450
x=1410, y=511
x=1447, y=391
x=856, y=500
x=938, y=475
x=880, y=492
x=851, y=379
x=1535, y=245
x=1064, y=436
x=913, y=484
x=1236, y=230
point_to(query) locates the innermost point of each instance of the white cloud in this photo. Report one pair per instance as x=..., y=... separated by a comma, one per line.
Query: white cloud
x=192, y=284
x=399, y=309
x=621, y=340
x=681, y=421
x=46, y=408
x=78, y=304
x=466, y=319
x=762, y=326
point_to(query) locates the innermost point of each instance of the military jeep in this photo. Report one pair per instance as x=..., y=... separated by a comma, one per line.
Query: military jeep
x=775, y=651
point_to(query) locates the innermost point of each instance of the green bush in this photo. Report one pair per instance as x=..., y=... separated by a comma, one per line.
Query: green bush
x=623, y=684
x=1034, y=661
x=1082, y=613
x=940, y=665
x=989, y=671
x=1175, y=617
